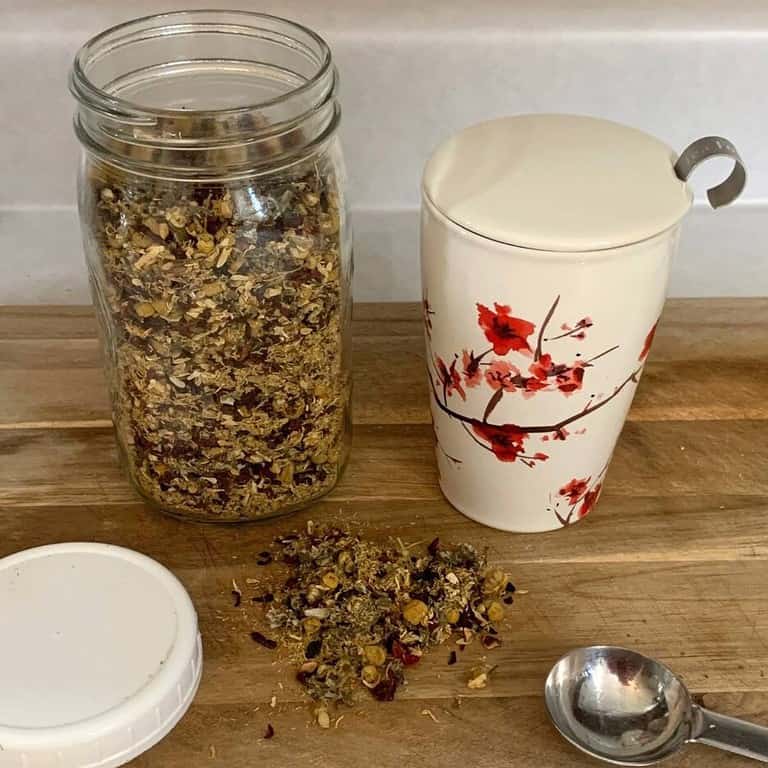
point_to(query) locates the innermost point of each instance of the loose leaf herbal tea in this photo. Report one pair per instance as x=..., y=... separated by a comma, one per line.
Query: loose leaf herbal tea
x=355, y=613
x=225, y=309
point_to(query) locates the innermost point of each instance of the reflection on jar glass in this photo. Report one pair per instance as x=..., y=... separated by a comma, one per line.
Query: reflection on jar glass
x=215, y=228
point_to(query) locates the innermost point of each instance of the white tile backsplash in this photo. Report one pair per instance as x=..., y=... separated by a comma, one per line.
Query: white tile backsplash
x=722, y=254
x=411, y=74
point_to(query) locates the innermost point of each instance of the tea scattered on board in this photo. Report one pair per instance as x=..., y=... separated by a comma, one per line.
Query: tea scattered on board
x=353, y=614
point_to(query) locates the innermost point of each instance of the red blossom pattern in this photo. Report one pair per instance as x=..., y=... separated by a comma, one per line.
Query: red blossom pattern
x=450, y=378
x=571, y=379
x=547, y=374
x=506, y=333
x=506, y=442
x=580, y=496
x=575, y=489
x=561, y=434
x=534, y=385
x=540, y=370
x=648, y=341
x=502, y=375
x=577, y=331
x=590, y=499
x=473, y=376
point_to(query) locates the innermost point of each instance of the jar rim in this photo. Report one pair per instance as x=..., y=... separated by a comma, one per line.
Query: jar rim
x=101, y=100
x=205, y=93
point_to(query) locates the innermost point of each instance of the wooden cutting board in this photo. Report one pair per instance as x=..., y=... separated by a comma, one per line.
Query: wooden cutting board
x=672, y=562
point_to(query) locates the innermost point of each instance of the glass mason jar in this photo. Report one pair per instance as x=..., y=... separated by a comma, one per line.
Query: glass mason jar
x=212, y=205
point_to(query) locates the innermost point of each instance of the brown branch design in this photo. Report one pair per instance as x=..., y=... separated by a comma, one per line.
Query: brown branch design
x=560, y=519
x=580, y=496
x=492, y=403
x=540, y=339
x=538, y=428
x=509, y=334
x=448, y=455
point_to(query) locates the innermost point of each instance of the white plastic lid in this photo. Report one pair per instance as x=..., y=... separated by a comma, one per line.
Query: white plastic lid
x=100, y=656
x=557, y=182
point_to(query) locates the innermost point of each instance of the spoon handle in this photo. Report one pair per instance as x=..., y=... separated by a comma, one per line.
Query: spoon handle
x=730, y=734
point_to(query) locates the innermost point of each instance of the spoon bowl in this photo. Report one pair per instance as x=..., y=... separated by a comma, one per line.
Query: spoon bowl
x=619, y=705
x=627, y=709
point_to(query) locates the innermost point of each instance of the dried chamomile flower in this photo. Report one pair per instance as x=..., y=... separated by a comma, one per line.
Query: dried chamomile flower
x=495, y=611
x=415, y=612
x=494, y=581
x=375, y=654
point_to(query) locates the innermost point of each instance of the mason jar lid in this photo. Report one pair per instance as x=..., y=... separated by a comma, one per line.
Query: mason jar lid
x=557, y=182
x=100, y=656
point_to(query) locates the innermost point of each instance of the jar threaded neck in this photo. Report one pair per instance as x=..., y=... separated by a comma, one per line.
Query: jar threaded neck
x=205, y=93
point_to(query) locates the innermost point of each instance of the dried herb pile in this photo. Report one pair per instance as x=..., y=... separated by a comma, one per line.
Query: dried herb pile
x=225, y=309
x=356, y=613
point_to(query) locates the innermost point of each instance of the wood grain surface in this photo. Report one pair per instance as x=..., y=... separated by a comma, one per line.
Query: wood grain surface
x=673, y=562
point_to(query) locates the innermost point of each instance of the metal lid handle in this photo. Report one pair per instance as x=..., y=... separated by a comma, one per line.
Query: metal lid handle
x=714, y=146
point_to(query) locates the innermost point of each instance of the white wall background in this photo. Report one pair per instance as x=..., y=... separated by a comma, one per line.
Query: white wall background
x=412, y=73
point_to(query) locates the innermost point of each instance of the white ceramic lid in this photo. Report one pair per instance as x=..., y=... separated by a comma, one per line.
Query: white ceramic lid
x=100, y=656
x=557, y=182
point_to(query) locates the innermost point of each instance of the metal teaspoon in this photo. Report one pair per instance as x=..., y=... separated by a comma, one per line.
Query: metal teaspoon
x=627, y=709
